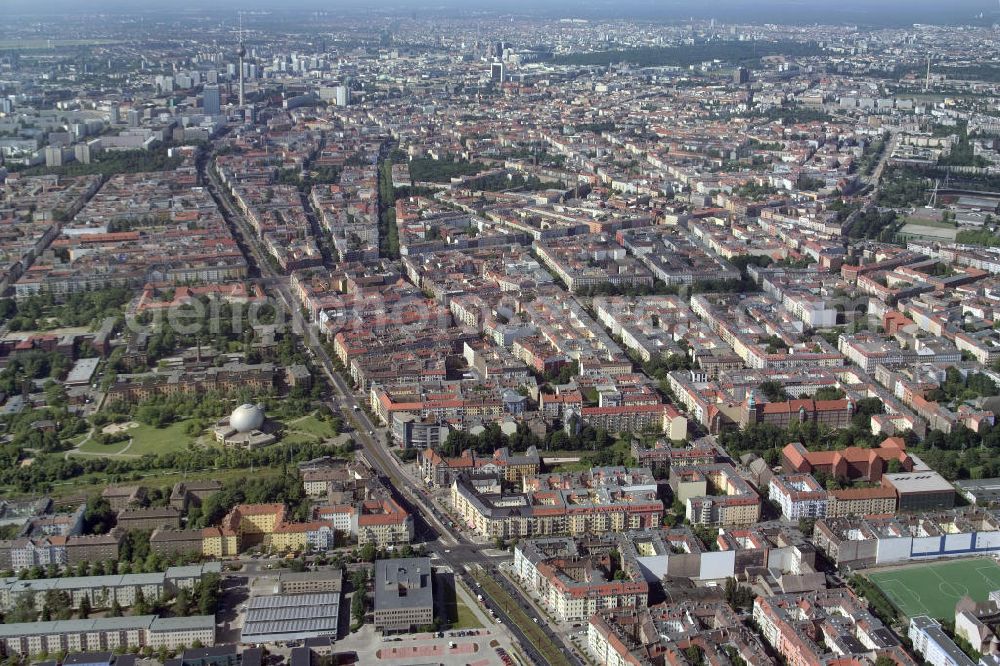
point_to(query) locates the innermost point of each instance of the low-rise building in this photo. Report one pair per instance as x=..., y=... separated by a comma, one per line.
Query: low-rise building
x=920, y=491
x=149, y=519
x=286, y=617
x=310, y=582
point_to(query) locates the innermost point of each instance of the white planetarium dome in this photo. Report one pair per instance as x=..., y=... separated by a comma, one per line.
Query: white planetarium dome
x=247, y=417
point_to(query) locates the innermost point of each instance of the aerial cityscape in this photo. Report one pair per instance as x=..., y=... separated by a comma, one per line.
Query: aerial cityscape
x=567, y=334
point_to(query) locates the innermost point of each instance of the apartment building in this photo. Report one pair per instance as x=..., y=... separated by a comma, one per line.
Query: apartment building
x=249, y=525
x=94, y=547
x=104, y=591
x=442, y=471
x=602, y=500
x=149, y=519
x=123, y=497
x=185, y=494
x=847, y=628
x=662, y=456
x=729, y=499
x=799, y=496
x=165, y=541
x=228, y=378
x=935, y=646
x=662, y=634
x=574, y=581
x=384, y=523
x=105, y=634
x=861, y=502
x=875, y=540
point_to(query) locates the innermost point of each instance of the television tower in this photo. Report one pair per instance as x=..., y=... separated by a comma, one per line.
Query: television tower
x=242, y=52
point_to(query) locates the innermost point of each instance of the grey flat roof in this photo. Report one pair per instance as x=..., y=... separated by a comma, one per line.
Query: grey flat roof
x=291, y=616
x=89, y=658
x=74, y=626
x=325, y=575
x=179, y=623
x=82, y=371
x=982, y=490
x=295, y=601
x=403, y=583
x=913, y=482
x=85, y=582
x=194, y=570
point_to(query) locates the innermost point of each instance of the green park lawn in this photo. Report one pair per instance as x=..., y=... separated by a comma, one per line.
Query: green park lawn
x=148, y=440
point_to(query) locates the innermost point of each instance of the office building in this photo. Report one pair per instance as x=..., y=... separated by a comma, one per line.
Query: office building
x=342, y=95
x=404, y=594
x=212, y=100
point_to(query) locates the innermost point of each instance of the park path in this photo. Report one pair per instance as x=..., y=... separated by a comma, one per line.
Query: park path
x=75, y=451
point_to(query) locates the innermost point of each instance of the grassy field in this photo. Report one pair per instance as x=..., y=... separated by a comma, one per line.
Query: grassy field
x=464, y=617
x=934, y=589
x=459, y=615
x=927, y=222
x=92, y=447
x=550, y=652
x=311, y=425
x=306, y=430
x=147, y=440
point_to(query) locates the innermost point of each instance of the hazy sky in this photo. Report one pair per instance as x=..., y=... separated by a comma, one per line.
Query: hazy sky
x=899, y=12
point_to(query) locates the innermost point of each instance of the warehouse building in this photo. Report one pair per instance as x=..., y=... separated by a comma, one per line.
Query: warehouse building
x=289, y=617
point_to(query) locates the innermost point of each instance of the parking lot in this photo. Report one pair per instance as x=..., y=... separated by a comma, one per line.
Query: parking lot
x=475, y=647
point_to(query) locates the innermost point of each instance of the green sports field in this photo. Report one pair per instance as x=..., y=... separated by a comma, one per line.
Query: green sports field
x=934, y=589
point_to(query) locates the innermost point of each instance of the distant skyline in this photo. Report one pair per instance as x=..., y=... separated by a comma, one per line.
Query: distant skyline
x=877, y=12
